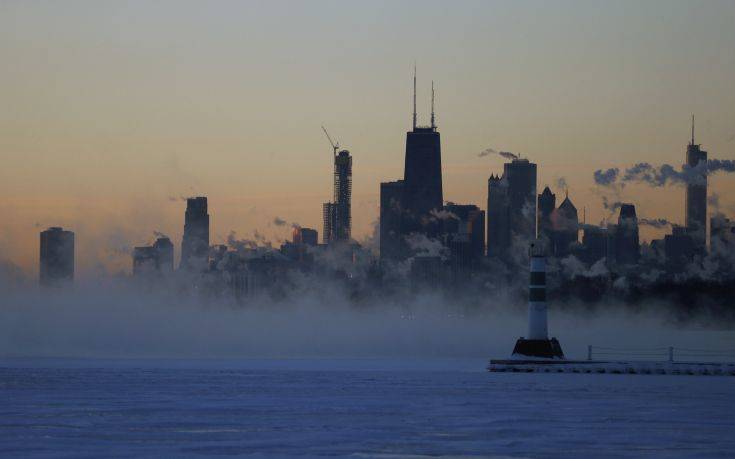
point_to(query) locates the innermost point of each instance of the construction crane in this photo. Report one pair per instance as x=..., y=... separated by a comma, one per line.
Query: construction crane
x=335, y=146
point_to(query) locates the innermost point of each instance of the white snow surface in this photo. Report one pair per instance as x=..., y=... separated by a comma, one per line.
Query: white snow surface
x=354, y=407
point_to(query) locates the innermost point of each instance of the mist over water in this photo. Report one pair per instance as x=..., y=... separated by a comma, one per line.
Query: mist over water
x=114, y=318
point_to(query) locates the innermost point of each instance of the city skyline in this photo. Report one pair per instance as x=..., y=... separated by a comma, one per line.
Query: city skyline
x=114, y=172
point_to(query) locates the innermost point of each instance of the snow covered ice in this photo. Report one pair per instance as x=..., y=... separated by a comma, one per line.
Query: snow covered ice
x=361, y=407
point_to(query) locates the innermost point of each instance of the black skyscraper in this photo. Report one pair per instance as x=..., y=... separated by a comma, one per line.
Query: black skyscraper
x=546, y=207
x=57, y=257
x=696, y=196
x=422, y=178
x=391, y=199
x=625, y=236
x=521, y=176
x=498, y=217
x=195, y=244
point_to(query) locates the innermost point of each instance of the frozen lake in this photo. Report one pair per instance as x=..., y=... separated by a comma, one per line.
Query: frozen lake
x=354, y=407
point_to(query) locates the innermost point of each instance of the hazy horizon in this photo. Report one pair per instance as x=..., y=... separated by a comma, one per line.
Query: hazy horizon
x=113, y=111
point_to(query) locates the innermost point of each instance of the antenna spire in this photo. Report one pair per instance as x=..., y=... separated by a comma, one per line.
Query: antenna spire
x=433, y=124
x=692, y=129
x=414, y=96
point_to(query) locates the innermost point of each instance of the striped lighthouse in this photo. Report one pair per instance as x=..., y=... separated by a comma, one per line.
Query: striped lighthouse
x=537, y=322
x=537, y=343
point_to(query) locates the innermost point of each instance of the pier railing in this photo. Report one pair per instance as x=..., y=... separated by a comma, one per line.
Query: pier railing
x=669, y=353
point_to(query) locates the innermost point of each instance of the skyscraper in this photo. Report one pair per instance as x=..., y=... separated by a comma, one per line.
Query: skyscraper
x=338, y=214
x=391, y=201
x=566, y=228
x=157, y=258
x=696, y=195
x=195, y=244
x=422, y=178
x=521, y=176
x=511, y=207
x=626, y=243
x=56, y=257
x=498, y=217
x=546, y=207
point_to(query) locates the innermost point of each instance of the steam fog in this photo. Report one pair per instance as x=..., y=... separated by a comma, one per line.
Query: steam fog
x=115, y=317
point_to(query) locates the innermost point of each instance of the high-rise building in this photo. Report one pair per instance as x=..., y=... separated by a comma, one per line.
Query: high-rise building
x=696, y=194
x=566, y=228
x=343, y=195
x=391, y=237
x=464, y=225
x=594, y=244
x=498, y=217
x=156, y=258
x=329, y=218
x=422, y=177
x=521, y=176
x=306, y=236
x=195, y=244
x=722, y=231
x=626, y=243
x=546, y=207
x=56, y=257
x=511, y=213
x=678, y=247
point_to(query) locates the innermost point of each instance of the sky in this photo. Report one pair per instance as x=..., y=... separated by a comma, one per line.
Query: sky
x=113, y=112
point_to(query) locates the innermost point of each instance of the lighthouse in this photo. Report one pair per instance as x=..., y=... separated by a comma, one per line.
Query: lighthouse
x=537, y=344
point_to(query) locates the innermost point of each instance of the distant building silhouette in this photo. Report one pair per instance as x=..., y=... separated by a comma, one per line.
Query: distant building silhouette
x=678, y=247
x=722, y=233
x=391, y=236
x=306, y=236
x=546, y=207
x=338, y=214
x=56, y=257
x=696, y=195
x=565, y=228
x=626, y=242
x=594, y=244
x=195, y=244
x=422, y=177
x=463, y=232
x=498, y=217
x=512, y=207
x=157, y=258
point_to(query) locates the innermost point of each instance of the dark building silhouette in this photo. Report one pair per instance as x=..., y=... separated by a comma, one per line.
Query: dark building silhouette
x=56, y=257
x=626, y=242
x=157, y=258
x=594, y=244
x=521, y=175
x=546, y=207
x=696, y=195
x=722, y=233
x=195, y=244
x=338, y=214
x=391, y=237
x=512, y=207
x=463, y=231
x=565, y=228
x=329, y=218
x=678, y=247
x=422, y=178
x=306, y=236
x=498, y=217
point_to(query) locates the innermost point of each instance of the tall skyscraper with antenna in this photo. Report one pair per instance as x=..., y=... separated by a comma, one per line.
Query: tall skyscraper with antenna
x=696, y=195
x=422, y=179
